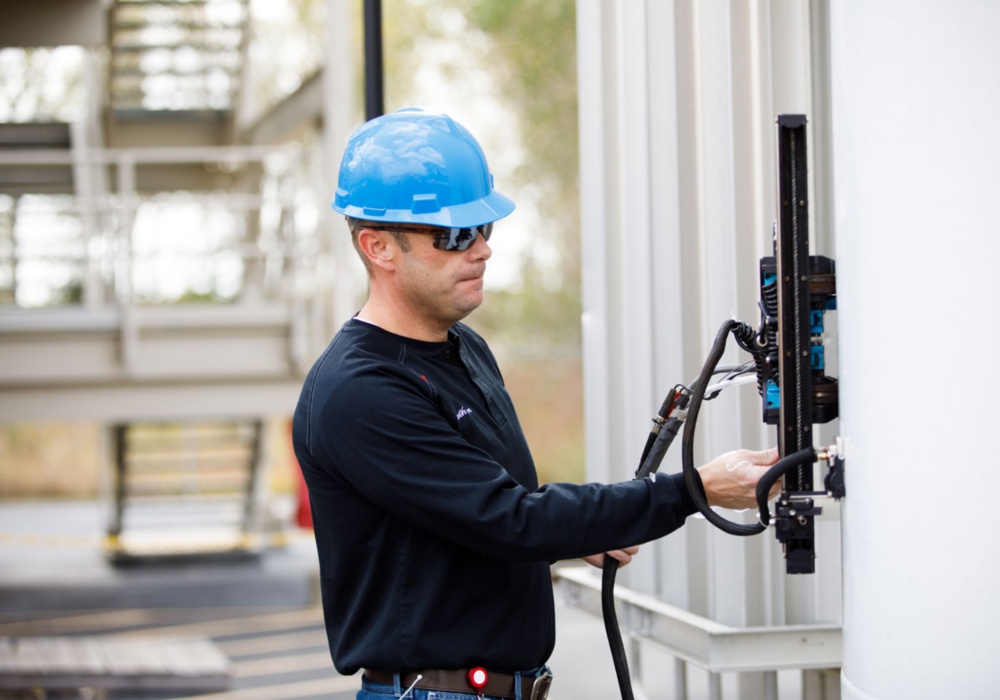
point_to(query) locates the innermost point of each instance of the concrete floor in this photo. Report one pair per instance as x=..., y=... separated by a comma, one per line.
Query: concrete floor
x=262, y=612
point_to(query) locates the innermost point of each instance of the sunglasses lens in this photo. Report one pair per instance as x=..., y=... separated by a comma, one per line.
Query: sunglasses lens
x=461, y=238
x=444, y=238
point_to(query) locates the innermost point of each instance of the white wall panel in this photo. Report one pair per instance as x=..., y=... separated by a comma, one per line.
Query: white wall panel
x=915, y=163
x=677, y=106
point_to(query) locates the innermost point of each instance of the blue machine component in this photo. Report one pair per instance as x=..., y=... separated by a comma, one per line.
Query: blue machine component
x=816, y=321
x=822, y=298
x=817, y=360
x=772, y=395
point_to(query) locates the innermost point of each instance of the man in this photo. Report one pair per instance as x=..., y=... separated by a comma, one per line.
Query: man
x=433, y=535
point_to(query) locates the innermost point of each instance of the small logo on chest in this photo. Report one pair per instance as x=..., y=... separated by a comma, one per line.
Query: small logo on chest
x=462, y=413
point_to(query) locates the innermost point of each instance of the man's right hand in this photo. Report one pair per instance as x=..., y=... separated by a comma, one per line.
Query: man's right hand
x=730, y=480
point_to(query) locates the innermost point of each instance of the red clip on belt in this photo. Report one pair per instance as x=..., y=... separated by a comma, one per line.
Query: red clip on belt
x=500, y=685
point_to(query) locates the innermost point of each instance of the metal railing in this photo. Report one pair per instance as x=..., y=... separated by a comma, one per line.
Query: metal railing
x=115, y=244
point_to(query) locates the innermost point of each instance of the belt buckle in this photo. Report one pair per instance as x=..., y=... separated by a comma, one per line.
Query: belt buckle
x=540, y=688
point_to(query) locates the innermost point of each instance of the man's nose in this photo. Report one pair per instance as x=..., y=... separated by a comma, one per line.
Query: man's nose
x=481, y=249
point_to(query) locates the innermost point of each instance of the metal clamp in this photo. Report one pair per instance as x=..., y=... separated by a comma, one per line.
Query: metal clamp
x=540, y=688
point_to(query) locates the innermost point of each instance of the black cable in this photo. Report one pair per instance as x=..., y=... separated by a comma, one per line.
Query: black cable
x=744, y=335
x=778, y=470
x=664, y=431
x=658, y=450
x=612, y=629
x=659, y=441
x=661, y=417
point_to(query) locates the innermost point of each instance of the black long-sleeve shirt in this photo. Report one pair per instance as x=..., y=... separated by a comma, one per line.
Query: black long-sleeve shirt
x=434, y=538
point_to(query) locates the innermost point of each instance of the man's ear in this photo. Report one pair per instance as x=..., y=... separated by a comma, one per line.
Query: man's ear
x=377, y=247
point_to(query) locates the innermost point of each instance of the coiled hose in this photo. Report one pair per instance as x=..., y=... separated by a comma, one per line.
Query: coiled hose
x=656, y=446
x=744, y=335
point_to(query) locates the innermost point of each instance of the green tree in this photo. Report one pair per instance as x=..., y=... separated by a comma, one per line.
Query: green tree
x=533, y=48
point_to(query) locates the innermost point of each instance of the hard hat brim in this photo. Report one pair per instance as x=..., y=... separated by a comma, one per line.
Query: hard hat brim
x=488, y=209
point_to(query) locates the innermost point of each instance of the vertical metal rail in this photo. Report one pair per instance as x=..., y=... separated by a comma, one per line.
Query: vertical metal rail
x=374, y=88
x=255, y=466
x=119, y=438
x=794, y=338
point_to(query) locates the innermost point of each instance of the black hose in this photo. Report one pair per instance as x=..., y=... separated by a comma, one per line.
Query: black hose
x=691, y=477
x=656, y=447
x=612, y=629
x=778, y=470
x=661, y=417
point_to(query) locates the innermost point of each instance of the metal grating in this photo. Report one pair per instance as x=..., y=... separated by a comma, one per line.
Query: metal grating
x=176, y=56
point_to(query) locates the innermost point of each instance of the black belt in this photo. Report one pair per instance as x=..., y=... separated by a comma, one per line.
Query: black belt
x=500, y=685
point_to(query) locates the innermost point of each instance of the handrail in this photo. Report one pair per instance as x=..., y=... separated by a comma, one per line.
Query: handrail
x=711, y=645
x=142, y=154
x=107, y=253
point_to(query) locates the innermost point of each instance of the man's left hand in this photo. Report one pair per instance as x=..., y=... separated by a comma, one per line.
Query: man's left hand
x=624, y=556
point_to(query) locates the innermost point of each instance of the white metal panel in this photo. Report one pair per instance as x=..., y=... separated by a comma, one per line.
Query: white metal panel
x=671, y=581
x=633, y=336
x=713, y=181
x=916, y=153
x=340, y=119
x=631, y=329
x=676, y=126
x=594, y=195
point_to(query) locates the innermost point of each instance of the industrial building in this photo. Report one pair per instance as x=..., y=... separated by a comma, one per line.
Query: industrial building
x=679, y=102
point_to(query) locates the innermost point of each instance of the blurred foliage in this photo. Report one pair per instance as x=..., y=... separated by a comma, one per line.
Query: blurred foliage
x=212, y=296
x=529, y=47
x=50, y=460
x=534, y=48
x=286, y=48
x=548, y=394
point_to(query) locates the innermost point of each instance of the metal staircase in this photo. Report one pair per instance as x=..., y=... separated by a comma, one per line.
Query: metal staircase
x=119, y=346
x=185, y=294
x=156, y=204
x=180, y=57
x=183, y=489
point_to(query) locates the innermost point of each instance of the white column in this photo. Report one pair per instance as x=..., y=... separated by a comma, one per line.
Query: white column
x=341, y=116
x=916, y=104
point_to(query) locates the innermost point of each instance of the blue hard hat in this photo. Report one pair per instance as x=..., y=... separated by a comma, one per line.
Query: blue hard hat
x=414, y=166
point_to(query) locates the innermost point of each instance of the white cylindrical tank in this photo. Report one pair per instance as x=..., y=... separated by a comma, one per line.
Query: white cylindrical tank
x=916, y=143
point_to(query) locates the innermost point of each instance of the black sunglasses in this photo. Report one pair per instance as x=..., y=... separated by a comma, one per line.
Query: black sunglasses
x=448, y=238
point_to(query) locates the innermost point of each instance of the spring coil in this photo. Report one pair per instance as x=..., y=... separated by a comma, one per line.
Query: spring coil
x=746, y=338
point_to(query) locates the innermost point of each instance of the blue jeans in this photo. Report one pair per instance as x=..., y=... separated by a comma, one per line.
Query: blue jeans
x=381, y=691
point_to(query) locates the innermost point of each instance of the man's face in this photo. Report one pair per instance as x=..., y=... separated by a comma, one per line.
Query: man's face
x=444, y=286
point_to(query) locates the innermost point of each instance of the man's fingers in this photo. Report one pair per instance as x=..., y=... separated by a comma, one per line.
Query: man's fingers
x=623, y=556
x=767, y=457
x=775, y=490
